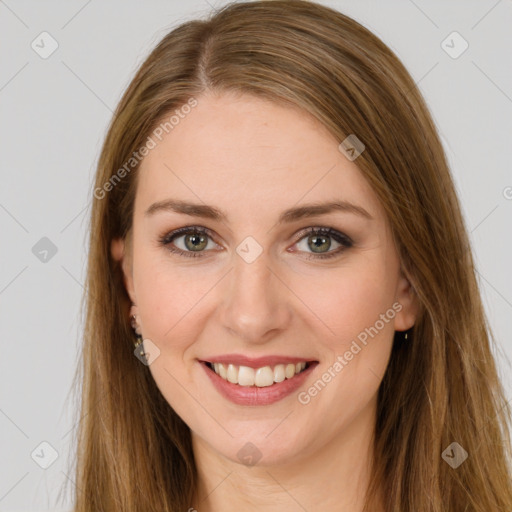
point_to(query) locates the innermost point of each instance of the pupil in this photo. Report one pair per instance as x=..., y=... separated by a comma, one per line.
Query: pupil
x=323, y=241
x=196, y=241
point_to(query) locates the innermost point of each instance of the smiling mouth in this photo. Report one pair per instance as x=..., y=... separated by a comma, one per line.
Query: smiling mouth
x=265, y=376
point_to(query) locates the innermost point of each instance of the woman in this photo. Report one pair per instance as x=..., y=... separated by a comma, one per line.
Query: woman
x=275, y=232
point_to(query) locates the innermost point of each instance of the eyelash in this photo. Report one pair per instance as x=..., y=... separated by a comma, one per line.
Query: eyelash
x=341, y=238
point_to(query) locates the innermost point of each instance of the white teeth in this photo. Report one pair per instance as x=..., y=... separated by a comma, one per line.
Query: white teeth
x=264, y=377
x=246, y=376
x=259, y=377
x=279, y=375
x=289, y=371
x=232, y=374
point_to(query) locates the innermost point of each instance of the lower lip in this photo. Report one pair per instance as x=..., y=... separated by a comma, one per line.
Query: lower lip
x=245, y=395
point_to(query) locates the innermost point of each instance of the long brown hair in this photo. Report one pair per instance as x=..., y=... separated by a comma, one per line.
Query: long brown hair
x=441, y=386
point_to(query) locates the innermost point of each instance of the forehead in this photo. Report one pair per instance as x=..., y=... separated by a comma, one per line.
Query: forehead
x=244, y=154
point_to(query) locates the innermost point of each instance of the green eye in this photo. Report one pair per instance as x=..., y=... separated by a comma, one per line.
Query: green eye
x=195, y=240
x=317, y=239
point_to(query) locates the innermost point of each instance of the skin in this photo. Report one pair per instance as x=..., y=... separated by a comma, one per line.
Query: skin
x=253, y=159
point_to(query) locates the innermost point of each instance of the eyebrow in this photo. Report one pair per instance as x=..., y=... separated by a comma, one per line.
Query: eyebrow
x=287, y=216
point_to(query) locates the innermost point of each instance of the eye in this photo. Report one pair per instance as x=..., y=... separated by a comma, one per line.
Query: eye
x=194, y=241
x=319, y=240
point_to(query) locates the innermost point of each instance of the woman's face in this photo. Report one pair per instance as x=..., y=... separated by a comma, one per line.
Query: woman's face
x=256, y=283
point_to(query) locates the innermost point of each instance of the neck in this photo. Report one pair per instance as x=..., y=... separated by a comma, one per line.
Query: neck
x=334, y=478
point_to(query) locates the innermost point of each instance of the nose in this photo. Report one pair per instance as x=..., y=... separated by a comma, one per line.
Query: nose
x=257, y=303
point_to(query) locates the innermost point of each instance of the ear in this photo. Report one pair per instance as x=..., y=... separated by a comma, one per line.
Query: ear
x=408, y=300
x=121, y=251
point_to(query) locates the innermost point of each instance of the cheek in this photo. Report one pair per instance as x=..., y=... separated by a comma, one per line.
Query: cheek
x=342, y=301
x=169, y=301
x=356, y=304
x=347, y=300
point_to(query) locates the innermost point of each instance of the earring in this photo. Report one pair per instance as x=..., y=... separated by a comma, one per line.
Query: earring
x=136, y=328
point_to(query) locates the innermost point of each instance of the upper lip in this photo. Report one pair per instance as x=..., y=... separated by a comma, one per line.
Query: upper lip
x=255, y=362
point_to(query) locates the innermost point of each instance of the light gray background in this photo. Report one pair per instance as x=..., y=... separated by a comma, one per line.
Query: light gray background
x=54, y=116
